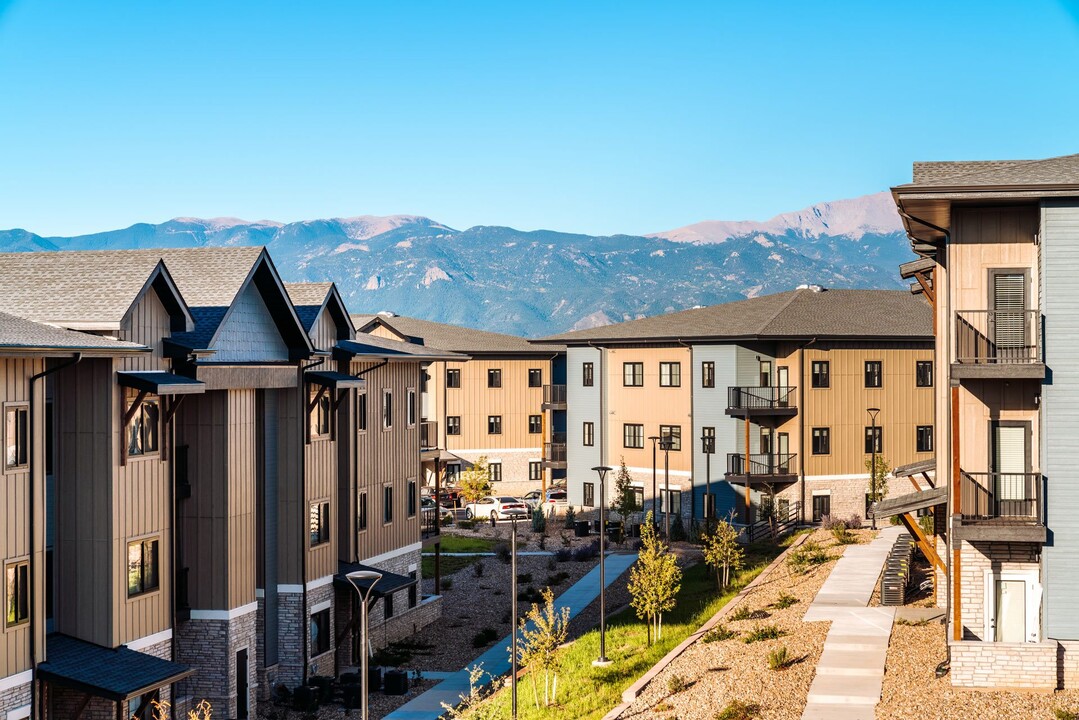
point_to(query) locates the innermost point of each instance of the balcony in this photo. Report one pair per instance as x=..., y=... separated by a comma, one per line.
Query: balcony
x=997, y=344
x=554, y=397
x=751, y=401
x=1005, y=507
x=767, y=468
x=428, y=438
x=554, y=452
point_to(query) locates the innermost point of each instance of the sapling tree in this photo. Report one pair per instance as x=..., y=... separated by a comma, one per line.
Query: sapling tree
x=722, y=552
x=542, y=632
x=475, y=482
x=878, y=478
x=654, y=580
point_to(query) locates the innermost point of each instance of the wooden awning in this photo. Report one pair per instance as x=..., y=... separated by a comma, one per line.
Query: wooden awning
x=334, y=381
x=909, y=502
x=160, y=382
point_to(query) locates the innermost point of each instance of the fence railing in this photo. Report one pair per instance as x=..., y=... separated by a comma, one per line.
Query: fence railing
x=554, y=394
x=554, y=451
x=761, y=464
x=990, y=496
x=428, y=434
x=776, y=526
x=1002, y=337
x=745, y=397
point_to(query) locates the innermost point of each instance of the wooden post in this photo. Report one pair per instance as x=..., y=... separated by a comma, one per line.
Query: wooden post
x=957, y=509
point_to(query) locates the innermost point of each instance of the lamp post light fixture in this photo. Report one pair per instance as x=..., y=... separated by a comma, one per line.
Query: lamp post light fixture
x=665, y=445
x=874, y=490
x=513, y=621
x=355, y=578
x=655, y=519
x=708, y=446
x=602, y=660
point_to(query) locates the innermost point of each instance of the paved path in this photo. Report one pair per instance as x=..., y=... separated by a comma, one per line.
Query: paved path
x=850, y=672
x=496, y=661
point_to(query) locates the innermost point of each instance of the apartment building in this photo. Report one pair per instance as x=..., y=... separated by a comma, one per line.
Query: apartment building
x=766, y=397
x=504, y=400
x=998, y=242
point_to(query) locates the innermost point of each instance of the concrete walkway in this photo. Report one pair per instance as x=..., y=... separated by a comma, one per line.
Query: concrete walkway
x=496, y=661
x=850, y=672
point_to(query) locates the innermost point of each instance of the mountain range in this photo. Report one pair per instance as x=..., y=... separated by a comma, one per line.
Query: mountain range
x=540, y=282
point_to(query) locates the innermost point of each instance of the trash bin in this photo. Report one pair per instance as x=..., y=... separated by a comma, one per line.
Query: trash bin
x=396, y=683
x=374, y=678
x=580, y=528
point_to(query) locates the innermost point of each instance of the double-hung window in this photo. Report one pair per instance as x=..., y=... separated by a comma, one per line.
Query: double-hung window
x=318, y=521
x=410, y=411
x=494, y=378
x=633, y=435
x=874, y=439
x=17, y=593
x=361, y=412
x=923, y=372
x=143, y=574
x=672, y=435
x=387, y=504
x=494, y=424
x=535, y=424
x=361, y=511
x=387, y=409
x=142, y=433
x=633, y=374
x=535, y=377
x=588, y=376
x=874, y=373
x=670, y=374
x=495, y=471
x=413, y=497
x=924, y=439
x=708, y=374
x=820, y=375
x=535, y=471
x=822, y=441
x=453, y=424
x=453, y=378
x=16, y=437
x=588, y=434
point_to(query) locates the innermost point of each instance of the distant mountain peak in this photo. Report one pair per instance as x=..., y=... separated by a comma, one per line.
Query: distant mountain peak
x=224, y=223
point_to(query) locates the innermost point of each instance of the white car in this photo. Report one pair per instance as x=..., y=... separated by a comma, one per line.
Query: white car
x=533, y=498
x=497, y=507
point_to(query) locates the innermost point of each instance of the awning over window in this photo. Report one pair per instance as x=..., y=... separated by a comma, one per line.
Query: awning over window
x=333, y=380
x=160, y=382
x=387, y=585
x=117, y=674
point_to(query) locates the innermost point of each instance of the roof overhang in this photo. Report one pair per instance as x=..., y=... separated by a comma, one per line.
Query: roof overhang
x=333, y=380
x=910, y=502
x=388, y=584
x=916, y=468
x=160, y=382
x=349, y=349
x=116, y=674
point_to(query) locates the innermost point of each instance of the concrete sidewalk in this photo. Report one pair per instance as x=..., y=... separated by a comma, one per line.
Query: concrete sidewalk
x=850, y=672
x=496, y=661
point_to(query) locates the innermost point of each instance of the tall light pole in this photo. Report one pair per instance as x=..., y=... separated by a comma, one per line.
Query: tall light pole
x=513, y=612
x=654, y=439
x=665, y=446
x=708, y=446
x=355, y=578
x=602, y=660
x=873, y=413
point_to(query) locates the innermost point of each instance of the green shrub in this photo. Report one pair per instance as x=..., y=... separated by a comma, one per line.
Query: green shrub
x=779, y=659
x=676, y=684
x=1061, y=714
x=557, y=578
x=502, y=552
x=762, y=632
x=678, y=530
x=466, y=524
x=484, y=637
x=784, y=601
x=524, y=578
x=447, y=583
x=801, y=559
x=719, y=633
x=477, y=569
x=539, y=521
x=569, y=520
x=742, y=612
x=739, y=710
x=843, y=536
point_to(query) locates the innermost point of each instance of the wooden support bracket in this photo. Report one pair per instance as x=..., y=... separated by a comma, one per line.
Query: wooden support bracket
x=926, y=288
x=314, y=401
x=129, y=413
x=923, y=542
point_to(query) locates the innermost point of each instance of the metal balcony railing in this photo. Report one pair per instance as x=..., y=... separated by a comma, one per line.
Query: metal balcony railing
x=1001, y=496
x=761, y=398
x=1002, y=337
x=555, y=451
x=554, y=394
x=762, y=464
x=428, y=435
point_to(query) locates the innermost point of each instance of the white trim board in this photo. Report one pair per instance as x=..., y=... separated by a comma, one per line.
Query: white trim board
x=224, y=614
x=414, y=547
x=14, y=681
x=149, y=640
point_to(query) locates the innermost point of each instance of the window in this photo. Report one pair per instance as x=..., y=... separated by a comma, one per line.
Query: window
x=822, y=441
x=588, y=378
x=453, y=424
x=494, y=424
x=17, y=593
x=387, y=503
x=874, y=439
x=387, y=409
x=633, y=374
x=410, y=411
x=142, y=567
x=708, y=440
x=535, y=471
x=708, y=374
x=675, y=501
x=17, y=436
x=588, y=434
x=494, y=378
x=361, y=511
x=670, y=374
x=633, y=435
x=320, y=415
x=495, y=470
x=589, y=494
x=638, y=497
x=413, y=497
x=820, y=377
x=874, y=373
x=924, y=441
x=453, y=473
x=318, y=523
x=822, y=506
x=535, y=424
x=453, y=378
x=142, y=438
x=766, y=373
x=387, y=606
x=361, y=412
x=923, y=373
x=413, y=594
x=672, y=434
x=535, y=377
x=320, y=632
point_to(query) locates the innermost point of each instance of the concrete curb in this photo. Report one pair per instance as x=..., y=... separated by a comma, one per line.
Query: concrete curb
x=633, y=691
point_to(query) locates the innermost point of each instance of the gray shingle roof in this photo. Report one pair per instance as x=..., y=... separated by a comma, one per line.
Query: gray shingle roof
x=20, y=334
x=114, y=673
x=801, y=313
x=366, y=344
x=455, y=338
x=1063, y=170
x=308, y=299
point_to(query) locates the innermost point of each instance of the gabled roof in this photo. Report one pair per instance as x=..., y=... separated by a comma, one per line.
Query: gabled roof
x=311, y=299
x=1063, y=170
x=798, y=314
x=455, y=338
x=21, y=335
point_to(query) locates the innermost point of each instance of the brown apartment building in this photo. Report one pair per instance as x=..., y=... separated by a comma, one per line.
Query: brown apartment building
x=504, y=400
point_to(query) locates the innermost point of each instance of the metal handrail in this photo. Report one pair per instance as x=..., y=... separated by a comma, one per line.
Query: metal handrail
x=989, y=496
x=554, y=452
x=1002, y=337
x=761, y=463
x=554, y=394
x=428, y=434
x=748, y=397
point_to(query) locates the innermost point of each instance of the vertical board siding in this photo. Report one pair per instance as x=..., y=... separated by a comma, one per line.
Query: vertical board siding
x=583, y=405
x=291, y=504
x=320, y=472
x=710, y=410
x=243, y=465
x=514, y=401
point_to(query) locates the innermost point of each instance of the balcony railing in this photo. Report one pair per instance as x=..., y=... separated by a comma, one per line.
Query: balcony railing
x=761, y=399
x=554, y=395
x=555, y=451
x=1000, y=337
x=1001, y=496
x=428, y=435
x=762, y=464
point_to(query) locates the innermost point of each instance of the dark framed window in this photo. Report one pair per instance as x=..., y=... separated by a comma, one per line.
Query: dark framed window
x=143, y=574
x=633, y=435
x=589, y=494
x=588, y=377
x=387, y=504
x=320, y=415
x=410, y=411
x=535, y=424
x=494, y=378
x=535, y=377
x=820, y=374
x=874, y=438
x=387, y=606
x=708, y=374
x=361, y=511
x=413, y=594
x=535, y=471
x=387, y=409
x=413, y=497
x=17, y=593
x=143, y=432
x=320, y=632
x=672, y=499
x=494, y=424
x=765, y=373
x=453, y=424
x=495, y=471
x=361, y=412
x=453, y=473
x=672, y=434
x=708, y=440
x=670, y=374
x=874, y=373
x=923, y=373
x=16, y=437
x=453, y=378
x=822, y=441
x=924, y=439
x=633, y=374
x=822, y=505
x=318, y=522
x=588, y=434
x=638, y=497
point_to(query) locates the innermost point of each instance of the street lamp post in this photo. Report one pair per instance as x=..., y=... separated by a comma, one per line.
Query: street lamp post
x=873, y=413
x=654, y=439
x=709, y=448
x=602, y=660
x=665, y=445
x=513, y=612
x=355, y=578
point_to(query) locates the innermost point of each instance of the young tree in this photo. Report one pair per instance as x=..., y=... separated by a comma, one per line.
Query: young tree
x=722, y=552
x=654, y=580
x=537, y=650
x=625, y=500
x=475, y=482
x=878, y=478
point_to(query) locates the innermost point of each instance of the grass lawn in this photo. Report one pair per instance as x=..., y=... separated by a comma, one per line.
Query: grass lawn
x=456, y=544
x=589, y=692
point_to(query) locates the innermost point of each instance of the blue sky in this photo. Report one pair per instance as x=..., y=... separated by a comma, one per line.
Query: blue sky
x=596, y=117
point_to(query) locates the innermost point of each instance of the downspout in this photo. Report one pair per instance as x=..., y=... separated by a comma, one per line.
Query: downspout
x=305, y=621
x=35, y=708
